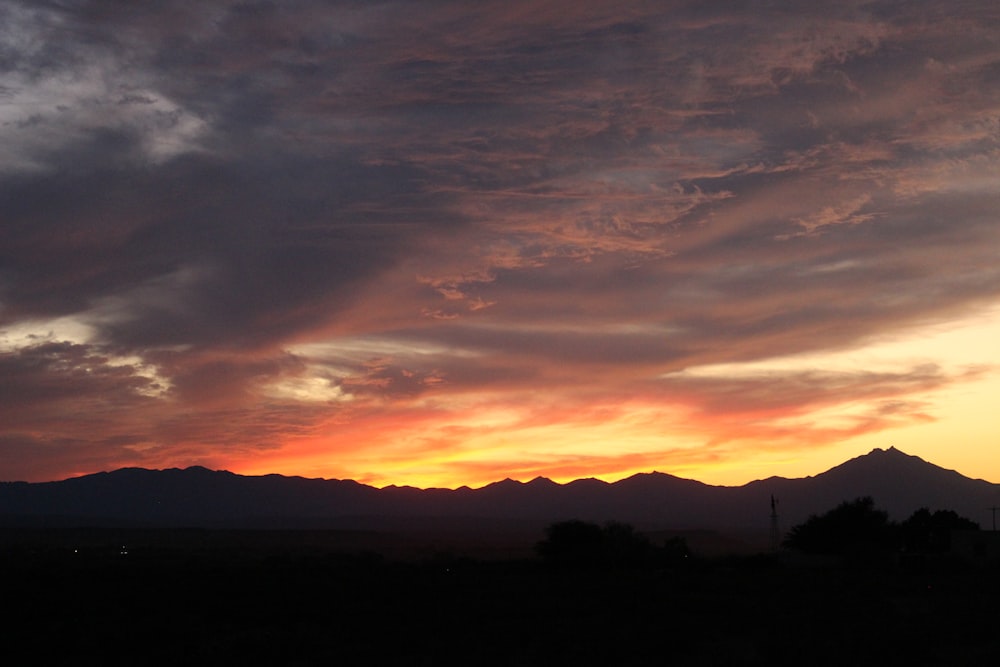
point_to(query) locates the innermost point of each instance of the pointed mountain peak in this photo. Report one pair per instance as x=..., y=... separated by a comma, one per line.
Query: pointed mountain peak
x=892, y=451
x=505, y=483
x=588, y=482
x=887, y=464
x=542, y=482
x=889, y=455
x=653, y=477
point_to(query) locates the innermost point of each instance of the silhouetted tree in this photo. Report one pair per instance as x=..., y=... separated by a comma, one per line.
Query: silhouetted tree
x=576, y=543
x=928, y=532
x=572, y=542
x=858, y=523
x=623, y=545
x=848, y=526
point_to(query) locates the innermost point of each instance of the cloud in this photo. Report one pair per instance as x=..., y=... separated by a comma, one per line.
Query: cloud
x=62, y=89
x=274, y=225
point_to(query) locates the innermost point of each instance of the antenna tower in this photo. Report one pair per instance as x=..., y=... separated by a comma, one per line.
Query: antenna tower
x=775, y=532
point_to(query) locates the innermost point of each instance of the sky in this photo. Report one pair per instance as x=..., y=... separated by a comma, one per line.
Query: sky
x=445, y=243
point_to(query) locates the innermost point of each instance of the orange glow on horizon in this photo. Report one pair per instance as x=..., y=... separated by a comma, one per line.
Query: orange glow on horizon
x=473, y=440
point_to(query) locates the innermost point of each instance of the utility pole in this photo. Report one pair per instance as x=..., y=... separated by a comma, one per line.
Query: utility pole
x=775, y=533
x=994, y=511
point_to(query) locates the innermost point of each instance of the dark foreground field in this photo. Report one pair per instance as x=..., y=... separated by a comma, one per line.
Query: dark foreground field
x=306, y=604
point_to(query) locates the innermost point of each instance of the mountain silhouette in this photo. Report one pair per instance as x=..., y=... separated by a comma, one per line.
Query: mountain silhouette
x=199, y=497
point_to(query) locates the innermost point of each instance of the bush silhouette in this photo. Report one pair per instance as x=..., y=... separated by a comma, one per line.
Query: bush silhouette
x=927, y=532
x=857, y=524
x=580, y=543
x=849, y=526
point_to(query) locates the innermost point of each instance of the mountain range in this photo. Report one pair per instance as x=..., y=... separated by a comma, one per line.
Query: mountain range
x=198, y=497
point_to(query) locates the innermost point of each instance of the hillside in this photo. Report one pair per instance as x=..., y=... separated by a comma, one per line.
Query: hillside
x=198, y=497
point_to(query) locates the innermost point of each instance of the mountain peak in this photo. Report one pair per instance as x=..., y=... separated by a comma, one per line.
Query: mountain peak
x=883, y=461
x=505, y=483
x=891, y=451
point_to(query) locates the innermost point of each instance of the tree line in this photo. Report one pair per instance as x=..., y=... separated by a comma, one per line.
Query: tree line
x=852, y=526
x=578, y=543
x=858, y=524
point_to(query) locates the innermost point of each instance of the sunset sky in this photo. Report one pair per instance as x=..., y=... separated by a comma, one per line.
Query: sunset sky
x=444, y=243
